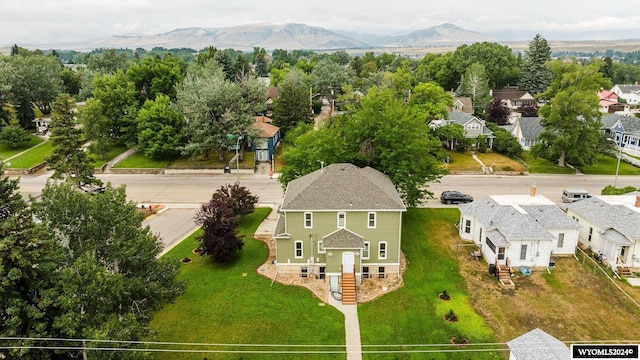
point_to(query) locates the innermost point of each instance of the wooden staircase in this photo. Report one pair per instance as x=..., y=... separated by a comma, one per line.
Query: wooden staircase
x=503, y=273
x=624, y=271
x=348, y=289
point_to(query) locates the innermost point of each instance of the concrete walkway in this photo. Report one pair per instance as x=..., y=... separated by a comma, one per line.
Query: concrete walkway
x=113, y=162
x=351, y=328
x=487, y=170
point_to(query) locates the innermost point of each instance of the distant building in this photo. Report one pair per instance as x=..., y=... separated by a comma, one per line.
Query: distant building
x=629, y=92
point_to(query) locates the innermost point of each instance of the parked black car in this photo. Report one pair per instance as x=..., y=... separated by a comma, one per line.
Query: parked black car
x=454, y=197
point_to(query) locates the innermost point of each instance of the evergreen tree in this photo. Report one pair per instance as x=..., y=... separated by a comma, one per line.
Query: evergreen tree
x=68, y=159
x=535, y=76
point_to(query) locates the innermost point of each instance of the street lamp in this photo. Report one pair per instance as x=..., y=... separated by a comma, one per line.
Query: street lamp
x=615, y=180
x=238, y=159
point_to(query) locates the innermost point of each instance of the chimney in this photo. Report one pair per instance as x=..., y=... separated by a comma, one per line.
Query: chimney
x=637, y=201
x=532, y=191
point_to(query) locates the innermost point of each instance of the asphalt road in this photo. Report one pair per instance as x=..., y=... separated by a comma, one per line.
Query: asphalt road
x=183, y=194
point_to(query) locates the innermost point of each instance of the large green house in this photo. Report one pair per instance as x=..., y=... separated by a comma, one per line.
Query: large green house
x=340, y=220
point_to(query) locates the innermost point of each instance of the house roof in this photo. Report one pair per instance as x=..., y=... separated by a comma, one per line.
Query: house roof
x=271, y=92
x=511, y=93
x=263, y=125
x=462, y=118
x=531, y=127
x=628, y=88
x=606, y=216
x=280, y=229
x=518, y=222
x=343, y=239
x=607, y=95
x=630, y=124
x=342, y=186
x=616, y=238
x=465, y=102
x=538, y=345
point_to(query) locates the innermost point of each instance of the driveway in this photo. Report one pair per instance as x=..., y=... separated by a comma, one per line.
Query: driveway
x=172, y=225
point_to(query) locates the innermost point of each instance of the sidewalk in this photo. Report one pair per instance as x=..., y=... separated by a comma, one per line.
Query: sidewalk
x=113, y=162
x=351, y=328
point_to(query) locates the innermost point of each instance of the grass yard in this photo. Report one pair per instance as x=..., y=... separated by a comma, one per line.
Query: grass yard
x=233, y=304
x=139, y=161
x=462, y=162
x=185, y=162
x=414, y=314
x=112, y=153
x=606, y=165
x=32, y=157
x=543, y=166
x=6, y=151
x=501, y=162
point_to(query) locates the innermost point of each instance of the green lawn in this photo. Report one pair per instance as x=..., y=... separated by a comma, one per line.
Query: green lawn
x=233, y=304
x=606, y=165
x=112, y=153
x=462, y=162
x=139, y=161
x=185, y=162
x=414, y=314
x=33, y=157
x=543, y=166
x=6, y=151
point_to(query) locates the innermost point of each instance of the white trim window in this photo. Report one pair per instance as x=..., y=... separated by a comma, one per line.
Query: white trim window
x=298, y=249
x=467, y=226
x=321, y=249
x=342, y=220
x=382, y=250
x=473, y=126
x=366, y=250
x=371, y=220
x=560, y=240
x=308, y=220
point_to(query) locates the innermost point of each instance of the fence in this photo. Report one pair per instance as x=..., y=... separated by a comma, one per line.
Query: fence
x=587, y=261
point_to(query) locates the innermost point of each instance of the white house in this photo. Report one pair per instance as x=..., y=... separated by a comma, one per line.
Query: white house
x=473, y=126
x=629, y=92
x=526, y=130
x=624, y=130
x=610, y=227
x=518, y=230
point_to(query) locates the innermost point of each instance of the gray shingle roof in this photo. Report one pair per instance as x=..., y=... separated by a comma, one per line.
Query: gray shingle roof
x=342, y=187
x=538, y=345
x=616, y=238
x=531, y=127
x=280, y=228
x=630, y=124
x=343, y=239
x=519, y=222
x=606, y=216
x=629, y=88
x=461, y=117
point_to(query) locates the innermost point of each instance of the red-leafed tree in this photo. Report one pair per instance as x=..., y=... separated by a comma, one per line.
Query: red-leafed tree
x=218, y=239
x=238, y=198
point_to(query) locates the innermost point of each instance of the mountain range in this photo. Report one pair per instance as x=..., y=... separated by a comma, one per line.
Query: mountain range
x=287, y=36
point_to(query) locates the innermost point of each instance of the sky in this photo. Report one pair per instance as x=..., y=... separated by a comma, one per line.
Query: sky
x=32, y=22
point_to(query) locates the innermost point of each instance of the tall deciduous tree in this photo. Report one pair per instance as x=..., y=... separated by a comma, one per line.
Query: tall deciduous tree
x=117, y=95
x=154, y=76
x=35, y=81
x=108, y=61
x=292, y=105
x=328, y=77
x=431, y=101
x=160, y=128
x=218, y=238
x=535, y=76
x=68, y=159
x=216, y=108
x=96, y=127
x=476, y=86
x=500, y=64
x=571, y=119
x=383, y=133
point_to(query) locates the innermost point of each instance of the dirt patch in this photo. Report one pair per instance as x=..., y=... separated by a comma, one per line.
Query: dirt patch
x=368, y=291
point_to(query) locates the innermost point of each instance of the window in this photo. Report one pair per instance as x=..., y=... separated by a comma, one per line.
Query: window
x=304, y=272
x=371, y=222
x=365, y=272
x=365, y=251
x=501, y=253
x=342, y=220
x=523, y=252
x=322, y=272
x=490, y=245
x=467, y=226
x=381, y=273
x=308, y=220
x=382, y=250
x=590, y=233
x=560, y=240
x=321, y=247
x=473, y=126
x=298, y=249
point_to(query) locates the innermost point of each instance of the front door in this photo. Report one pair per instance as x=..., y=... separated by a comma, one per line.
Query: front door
x=348, y=262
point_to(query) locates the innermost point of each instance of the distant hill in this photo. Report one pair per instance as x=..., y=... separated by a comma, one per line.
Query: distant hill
x=243, y=37
x=441, y=35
